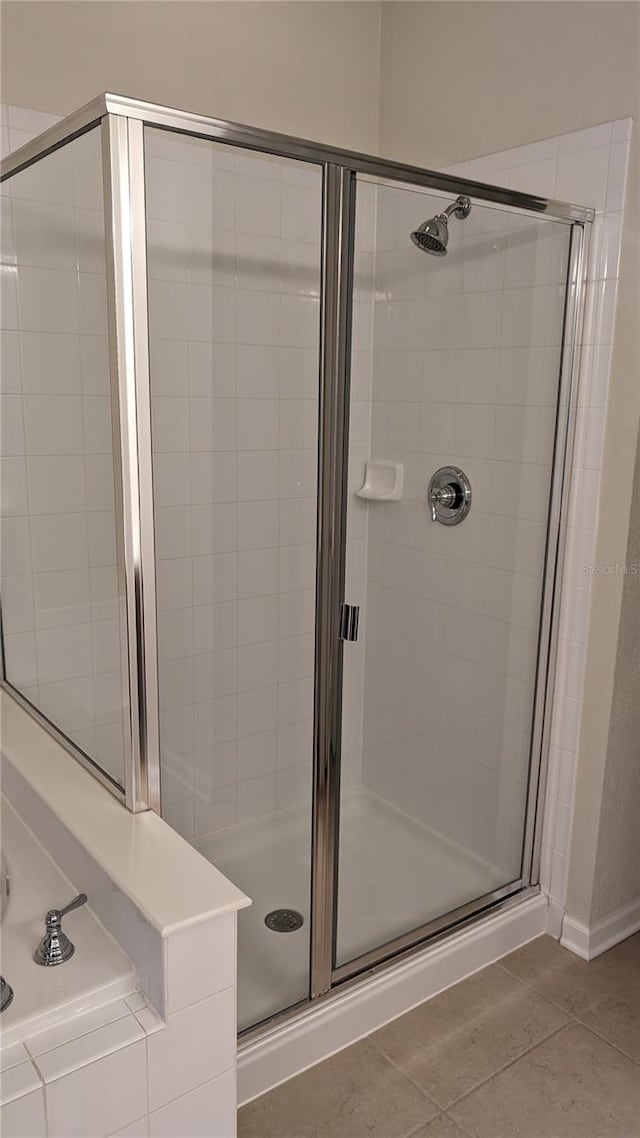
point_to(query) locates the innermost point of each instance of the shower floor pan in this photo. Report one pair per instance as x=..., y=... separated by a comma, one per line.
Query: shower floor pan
x=395, y=874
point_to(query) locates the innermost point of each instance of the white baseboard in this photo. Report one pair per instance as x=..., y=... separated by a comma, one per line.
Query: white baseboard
x=346, y=1017
x=589, y=941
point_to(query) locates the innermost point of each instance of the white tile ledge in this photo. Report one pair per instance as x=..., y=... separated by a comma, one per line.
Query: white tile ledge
x=51, y=1054
x=167, y=880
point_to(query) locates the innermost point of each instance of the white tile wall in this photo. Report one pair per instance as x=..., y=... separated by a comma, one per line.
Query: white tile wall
x=60, y=590
x=465, y=365
x=234, y=263
x=588, y=167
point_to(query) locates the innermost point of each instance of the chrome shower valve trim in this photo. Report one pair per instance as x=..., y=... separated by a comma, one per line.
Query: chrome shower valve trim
x=449, y=496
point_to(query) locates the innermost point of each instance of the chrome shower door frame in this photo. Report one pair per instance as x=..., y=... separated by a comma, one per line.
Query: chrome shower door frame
x=548, y=632
x=127, y=335
x=123, y=121
x=124, y=190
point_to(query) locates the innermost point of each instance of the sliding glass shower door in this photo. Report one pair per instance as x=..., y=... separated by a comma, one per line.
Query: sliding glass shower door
x=459, y=374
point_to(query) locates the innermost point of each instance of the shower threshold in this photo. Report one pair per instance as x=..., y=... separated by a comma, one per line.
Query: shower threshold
x=269, y=859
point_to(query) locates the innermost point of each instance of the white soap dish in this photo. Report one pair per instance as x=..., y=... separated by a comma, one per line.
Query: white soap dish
x=383, y=481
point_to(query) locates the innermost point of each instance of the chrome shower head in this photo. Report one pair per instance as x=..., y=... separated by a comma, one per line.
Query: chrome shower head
x=433, y=235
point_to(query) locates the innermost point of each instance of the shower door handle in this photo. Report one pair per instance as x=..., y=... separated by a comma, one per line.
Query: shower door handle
x=349, y=619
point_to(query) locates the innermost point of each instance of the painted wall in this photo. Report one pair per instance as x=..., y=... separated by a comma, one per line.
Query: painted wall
x=307, y=69
x=437, y=105
x=617, y=877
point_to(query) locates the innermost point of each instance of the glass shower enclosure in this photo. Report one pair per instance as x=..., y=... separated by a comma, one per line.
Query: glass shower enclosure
x=282, y=505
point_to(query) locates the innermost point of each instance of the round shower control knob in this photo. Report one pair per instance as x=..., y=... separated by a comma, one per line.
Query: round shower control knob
x=449, y=496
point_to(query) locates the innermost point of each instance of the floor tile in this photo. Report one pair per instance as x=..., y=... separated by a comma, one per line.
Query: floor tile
x=565, y=979
x=573, y=1085
x=355, y=1094
x=441, y=1127
x=617, y=1018
x=455, y=1041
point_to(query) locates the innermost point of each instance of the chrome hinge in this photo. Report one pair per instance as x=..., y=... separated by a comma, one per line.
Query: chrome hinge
x=349, y=617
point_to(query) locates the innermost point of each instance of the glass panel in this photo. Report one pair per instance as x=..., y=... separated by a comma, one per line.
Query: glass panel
x=439, y=689
x=60, y=590
x=234, y=285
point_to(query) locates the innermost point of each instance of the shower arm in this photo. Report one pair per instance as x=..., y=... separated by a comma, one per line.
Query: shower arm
x=460, y=208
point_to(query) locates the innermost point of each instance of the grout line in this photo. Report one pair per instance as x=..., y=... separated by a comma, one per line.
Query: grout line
x=425, y=1094
x=493, y=1074
x=457, y=1123
x=614, y=1046
x=575, y=1019
x=511, y=1063
x=425, y=1122
x=553, y=1003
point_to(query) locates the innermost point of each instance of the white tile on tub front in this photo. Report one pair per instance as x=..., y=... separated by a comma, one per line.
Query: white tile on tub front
x=198, y=1044
x=77, y=1106
x=200, y=962
x=12, y=1056
x=24, y=1117
x=86, y=1049
x=76, y=1026
x=19, y=1080
x=149, y=1020
x=207, y=1112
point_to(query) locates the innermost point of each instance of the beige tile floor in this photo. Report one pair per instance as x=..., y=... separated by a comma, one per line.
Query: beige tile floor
x=541, y=1045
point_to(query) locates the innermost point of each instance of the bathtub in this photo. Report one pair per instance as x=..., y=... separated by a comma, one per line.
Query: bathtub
x=96, y=974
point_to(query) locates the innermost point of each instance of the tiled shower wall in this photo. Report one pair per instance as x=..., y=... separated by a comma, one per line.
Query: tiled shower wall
x=60, y=587
x=466, y=360
x=234, y=268
x=589, y=167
